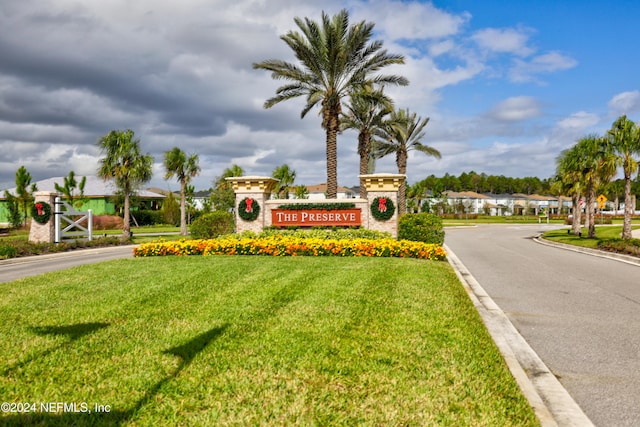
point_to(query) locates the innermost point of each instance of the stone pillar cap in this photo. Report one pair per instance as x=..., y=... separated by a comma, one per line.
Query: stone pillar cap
x=252, y=183
x=382, y=181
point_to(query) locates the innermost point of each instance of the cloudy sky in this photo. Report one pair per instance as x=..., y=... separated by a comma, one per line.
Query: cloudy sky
x=507, y=84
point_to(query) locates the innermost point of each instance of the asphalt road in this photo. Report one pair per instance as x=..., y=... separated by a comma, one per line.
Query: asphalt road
x=580, y=313
x=17, y=268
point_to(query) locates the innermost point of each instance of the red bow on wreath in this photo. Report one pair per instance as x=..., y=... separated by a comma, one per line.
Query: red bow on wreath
x=39, y=208
x=249, y=203
x=382, y=205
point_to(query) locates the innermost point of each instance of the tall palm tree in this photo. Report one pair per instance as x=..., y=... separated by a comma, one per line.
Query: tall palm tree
x=366, y=113
x=124, y=163
x=176, y=163
x=625, y=137
x=593, y=155
x=334, y=59
x=285, y=176
x=569, y=182
x=402, y=133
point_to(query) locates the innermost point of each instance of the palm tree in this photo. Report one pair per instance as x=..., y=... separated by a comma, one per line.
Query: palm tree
x=301, y=192
x=183, y=168
x=593, y=156
x=569, y=182
x=124, y=163
x=366, y=113
x=625, y=137
x=285, y=176
x=402, y=133
x=335, y=59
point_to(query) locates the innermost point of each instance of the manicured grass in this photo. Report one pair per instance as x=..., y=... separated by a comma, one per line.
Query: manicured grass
x=254, y=341
x=602, y=233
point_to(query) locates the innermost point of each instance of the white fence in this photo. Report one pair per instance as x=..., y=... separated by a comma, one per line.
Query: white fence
x=73, y=228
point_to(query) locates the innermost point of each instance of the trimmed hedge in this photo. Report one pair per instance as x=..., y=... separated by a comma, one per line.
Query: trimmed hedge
x=214, y=224
x=421, y=227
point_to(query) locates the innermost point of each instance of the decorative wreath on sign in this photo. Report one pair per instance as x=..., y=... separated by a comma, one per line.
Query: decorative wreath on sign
x=248, y=209
x=41, y=212
x=382, y=208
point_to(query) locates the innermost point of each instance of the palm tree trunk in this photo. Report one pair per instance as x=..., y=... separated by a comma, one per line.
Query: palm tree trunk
x=332, y=156
x=577, y=215
x=183, y=208
x=126, y=226
x=628, y=208
x=364, y=147
x=591, y=199
x=401, y=160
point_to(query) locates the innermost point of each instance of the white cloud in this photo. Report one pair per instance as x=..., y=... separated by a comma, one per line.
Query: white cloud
x=625, y=103
x=505, y=40
x=398, y=20
x=518, y=108
x=528, y=70
x=579, y=121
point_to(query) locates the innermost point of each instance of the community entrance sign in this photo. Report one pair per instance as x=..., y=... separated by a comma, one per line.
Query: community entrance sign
x=255, y=210
x=316, y=217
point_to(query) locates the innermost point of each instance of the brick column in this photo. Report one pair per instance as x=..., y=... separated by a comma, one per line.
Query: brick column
x=44, y=233
x=382, y=185
x=258, y=188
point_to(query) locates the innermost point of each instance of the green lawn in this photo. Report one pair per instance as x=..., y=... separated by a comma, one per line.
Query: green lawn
x=253, y=341
x=603, y=232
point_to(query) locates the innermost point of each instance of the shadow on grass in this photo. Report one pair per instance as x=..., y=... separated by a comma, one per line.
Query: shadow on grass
x=86, y=414
x=71, y=332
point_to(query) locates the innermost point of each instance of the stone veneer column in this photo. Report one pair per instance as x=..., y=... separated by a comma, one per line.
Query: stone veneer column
x=258, y=188
x=44, y=233
x=382, y=185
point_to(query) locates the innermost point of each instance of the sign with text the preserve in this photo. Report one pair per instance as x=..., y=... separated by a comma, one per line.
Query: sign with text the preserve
x=315, y=217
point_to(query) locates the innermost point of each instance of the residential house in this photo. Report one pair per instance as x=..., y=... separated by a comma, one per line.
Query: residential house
x=98, y=196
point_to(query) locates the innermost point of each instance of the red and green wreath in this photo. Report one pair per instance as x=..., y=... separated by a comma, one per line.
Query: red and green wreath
x=248, y=209
x=382, y=208
x=41, y=212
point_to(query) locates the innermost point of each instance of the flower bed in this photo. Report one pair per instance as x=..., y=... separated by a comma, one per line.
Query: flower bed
x=294, y=246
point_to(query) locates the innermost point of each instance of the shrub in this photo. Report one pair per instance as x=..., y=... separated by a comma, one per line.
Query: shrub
x=627, y=247
x=20, y=248
x=7, y=251
x=107, y=222
x=212, y=225
x=327, y=233
x=422, y=227
x=147, y=217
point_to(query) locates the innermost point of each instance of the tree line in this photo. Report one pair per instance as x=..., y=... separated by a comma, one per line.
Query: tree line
x=483, y=183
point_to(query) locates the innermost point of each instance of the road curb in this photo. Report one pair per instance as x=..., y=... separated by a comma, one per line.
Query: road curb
x=550, y=401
